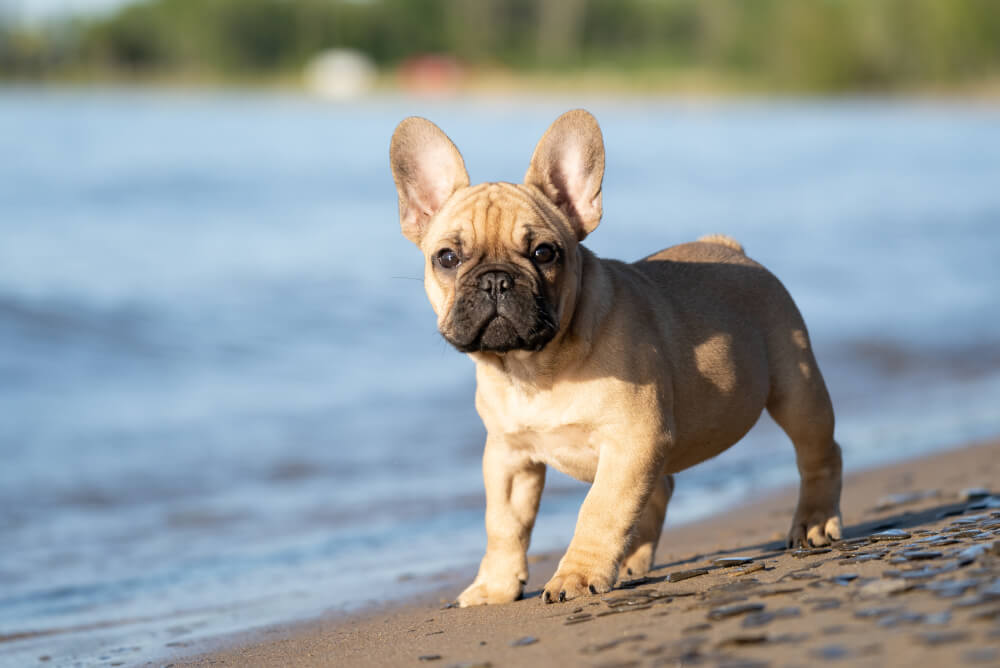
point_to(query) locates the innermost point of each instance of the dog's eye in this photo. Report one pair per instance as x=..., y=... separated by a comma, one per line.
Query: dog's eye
x=544, y=253
x=448, y=258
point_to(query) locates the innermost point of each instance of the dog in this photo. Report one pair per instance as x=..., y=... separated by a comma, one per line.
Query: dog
x=617, y=374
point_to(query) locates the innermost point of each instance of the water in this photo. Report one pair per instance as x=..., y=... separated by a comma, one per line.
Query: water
x=223, y=401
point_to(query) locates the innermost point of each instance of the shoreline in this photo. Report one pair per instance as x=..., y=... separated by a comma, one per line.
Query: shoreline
x=542, y=86
x=814, y=604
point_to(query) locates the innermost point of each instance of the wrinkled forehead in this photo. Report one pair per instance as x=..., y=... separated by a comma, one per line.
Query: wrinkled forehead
x=496, y=216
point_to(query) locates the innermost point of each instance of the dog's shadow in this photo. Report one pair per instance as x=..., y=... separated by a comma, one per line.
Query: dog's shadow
x=906, y=519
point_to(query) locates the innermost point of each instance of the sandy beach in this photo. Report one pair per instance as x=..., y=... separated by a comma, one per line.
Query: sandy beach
x=916, y=581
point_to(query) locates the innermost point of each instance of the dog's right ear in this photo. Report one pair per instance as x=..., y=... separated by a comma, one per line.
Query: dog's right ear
x=427, y=169
x=568, y=167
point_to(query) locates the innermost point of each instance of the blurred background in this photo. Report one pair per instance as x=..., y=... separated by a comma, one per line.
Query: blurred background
x=223, y=399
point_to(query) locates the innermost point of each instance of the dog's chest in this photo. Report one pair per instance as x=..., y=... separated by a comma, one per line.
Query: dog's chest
x=549, y=429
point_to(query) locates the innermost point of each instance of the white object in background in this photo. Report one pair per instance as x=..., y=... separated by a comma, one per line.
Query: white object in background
x=340, y=74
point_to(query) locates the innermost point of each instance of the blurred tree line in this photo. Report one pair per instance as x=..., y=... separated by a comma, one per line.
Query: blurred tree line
x=821, y=45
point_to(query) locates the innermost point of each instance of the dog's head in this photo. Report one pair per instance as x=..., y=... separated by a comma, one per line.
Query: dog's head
x=502, y=261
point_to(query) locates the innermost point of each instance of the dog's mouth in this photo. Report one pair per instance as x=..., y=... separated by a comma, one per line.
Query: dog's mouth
x=500, y=326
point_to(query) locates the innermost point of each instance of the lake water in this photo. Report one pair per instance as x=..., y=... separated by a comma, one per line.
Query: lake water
x=223, y=399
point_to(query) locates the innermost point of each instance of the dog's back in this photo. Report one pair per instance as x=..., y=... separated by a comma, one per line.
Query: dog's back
x=736, y=337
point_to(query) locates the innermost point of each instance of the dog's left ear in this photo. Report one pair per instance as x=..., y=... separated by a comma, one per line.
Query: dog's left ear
x=568, y=166
x=427, y=169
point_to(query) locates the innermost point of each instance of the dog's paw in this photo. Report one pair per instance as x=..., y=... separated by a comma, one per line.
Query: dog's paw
x=637, y=564
x=815, y=528
x=571, y=583
x=491, y=592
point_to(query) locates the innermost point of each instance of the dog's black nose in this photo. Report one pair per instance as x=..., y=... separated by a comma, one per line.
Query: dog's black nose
x=495, y=283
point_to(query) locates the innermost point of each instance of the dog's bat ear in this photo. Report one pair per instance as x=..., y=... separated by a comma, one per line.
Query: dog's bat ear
x=568, y=167
x=427, y=169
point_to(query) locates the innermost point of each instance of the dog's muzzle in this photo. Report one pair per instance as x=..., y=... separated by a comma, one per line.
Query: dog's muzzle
x=497, y=311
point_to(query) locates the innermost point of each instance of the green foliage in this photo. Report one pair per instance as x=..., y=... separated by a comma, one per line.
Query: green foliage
x=819, y=45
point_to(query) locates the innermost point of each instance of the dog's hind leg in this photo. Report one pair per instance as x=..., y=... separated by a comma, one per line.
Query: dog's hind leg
x=642, y=550
x=800, y=404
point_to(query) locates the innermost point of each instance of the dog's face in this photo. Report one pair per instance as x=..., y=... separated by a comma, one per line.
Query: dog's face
x=502, y=267
x=499, y=264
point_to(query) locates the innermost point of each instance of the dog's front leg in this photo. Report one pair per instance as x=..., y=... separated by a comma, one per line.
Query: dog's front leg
x=624, y=482
x=513, y=489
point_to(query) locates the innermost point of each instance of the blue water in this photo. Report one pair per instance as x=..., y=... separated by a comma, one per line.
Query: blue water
x=223, y=400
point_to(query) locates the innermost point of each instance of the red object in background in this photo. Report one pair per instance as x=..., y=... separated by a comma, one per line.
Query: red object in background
x=430, y=73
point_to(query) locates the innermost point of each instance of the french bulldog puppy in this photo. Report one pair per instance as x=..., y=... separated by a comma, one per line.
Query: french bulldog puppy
x=617, y=374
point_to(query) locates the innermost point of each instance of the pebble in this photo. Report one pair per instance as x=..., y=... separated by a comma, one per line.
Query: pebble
x=429, y=657
x=904, y=498
x=678, y=576
x=581, y=620
x=622, y=601
x=740, y=586
x=875, y=612
x=803, y=575
x=764, y=617
x=935, y=638
x=918, y=555
x=822, y=603
x=988, y=614
x=892, y=621
x=950, y=588
x=732, y=561
x=734, y=610
x=936, y=540
x=638, y=582
x=961, y=532
x=743, y=663
x=883, y=588
x=889, y=534
x=844, y=579
x=611, y=644
x=918, y=574
x=696, y=628
x=970, y=554
x=747, y=570
x=993, y=591
x=801, y=554
x=973, y=493
x=951, y=512
x=980, y=655
x=744, y=639
x=830, y=652
x=942, y=617
x=778, y=591
x=861, y=558
x=524, y=642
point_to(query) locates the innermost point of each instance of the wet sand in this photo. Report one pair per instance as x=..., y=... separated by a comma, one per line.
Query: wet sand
x=916, y=581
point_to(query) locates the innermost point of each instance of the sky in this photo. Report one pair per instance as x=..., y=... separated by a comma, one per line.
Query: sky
x=33, y=10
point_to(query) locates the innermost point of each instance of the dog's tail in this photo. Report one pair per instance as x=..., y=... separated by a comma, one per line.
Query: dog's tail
x=723, y=240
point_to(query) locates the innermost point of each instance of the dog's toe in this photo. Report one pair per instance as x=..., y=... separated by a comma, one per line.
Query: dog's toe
x=567, y=586
x=815, y=529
